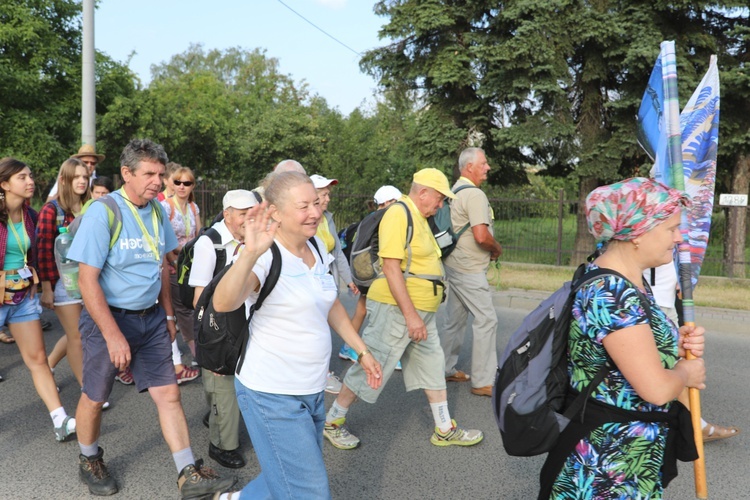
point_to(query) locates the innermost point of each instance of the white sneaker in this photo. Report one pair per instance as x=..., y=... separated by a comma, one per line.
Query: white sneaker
x=333, y=384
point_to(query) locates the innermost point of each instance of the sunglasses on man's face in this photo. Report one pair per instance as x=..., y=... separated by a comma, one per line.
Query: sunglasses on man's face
x=183, y=183
x=90, y=163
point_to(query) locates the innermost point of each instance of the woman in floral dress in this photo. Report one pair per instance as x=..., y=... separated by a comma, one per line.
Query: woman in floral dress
x=638, y=222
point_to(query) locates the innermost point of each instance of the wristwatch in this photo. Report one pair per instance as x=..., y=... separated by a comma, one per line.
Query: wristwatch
x=171, y=318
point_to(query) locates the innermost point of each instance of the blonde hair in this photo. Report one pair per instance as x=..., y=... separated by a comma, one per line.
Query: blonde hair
x=278, y=184
x=67, y=197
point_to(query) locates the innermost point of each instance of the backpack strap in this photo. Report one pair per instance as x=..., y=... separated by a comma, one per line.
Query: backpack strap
x=114, y=217
x=468, y=224
x=315, y=244
x=171, y=208
x=432, y=278
x=273, y=277
x=221, y=252
x=580, y=400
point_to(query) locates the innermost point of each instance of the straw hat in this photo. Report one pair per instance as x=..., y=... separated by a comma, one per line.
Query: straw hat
x=88, y=150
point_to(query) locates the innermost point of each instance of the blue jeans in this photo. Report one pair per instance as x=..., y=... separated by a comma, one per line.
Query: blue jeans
x=287, y=434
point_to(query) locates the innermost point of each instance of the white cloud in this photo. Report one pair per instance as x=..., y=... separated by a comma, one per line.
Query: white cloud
x=333, y=4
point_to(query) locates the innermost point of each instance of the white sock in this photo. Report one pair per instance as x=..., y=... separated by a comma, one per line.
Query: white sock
x=442, y=416
x=176, y=356
x=183, y=458
x=336, y=412
x=58, y=416
x=703, y=423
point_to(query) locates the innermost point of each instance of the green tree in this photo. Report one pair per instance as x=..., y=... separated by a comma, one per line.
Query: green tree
x=228, y=114
x=40, y=88
x=553, y=84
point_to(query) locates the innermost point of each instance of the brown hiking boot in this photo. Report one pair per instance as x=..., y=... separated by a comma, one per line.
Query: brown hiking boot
x=94, y=473
x=197, y=481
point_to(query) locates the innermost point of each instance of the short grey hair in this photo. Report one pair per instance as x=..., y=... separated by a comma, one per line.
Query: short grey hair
x=467, y=156
x=289, y=166
x=139, y=150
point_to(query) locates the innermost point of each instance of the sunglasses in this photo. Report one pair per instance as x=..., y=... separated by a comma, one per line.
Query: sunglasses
x=183, y=183
x=90, y=163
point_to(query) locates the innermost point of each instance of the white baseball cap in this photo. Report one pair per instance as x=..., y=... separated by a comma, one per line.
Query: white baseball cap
x=239, y=199
x=320, y=182
x=386, y=193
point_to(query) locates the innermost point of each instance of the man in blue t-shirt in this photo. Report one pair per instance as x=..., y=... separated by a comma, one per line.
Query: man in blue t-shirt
x=123, y=326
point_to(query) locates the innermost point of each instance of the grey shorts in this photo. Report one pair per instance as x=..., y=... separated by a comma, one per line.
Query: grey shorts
x=388, y=340
x=150, y=351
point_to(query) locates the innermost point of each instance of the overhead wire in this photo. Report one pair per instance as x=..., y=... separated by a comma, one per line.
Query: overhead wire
x=320, y=29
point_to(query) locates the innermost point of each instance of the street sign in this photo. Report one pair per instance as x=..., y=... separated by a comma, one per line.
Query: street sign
x=733, y=200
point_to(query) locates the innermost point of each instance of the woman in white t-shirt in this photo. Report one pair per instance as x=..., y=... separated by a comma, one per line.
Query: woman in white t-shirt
x=280, y=385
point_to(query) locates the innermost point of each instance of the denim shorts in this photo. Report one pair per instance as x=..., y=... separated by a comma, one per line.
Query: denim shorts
x=150, y=352
x=26, y=310
x=61, y=296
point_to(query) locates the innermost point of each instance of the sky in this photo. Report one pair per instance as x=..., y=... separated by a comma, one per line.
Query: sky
x=155, y=30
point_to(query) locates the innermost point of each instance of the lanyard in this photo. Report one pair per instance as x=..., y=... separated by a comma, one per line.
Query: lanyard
x=185, y=217
x=26, y=243
x=151, y=241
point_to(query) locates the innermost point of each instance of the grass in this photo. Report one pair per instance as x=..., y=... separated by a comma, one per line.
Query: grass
x=710, y=292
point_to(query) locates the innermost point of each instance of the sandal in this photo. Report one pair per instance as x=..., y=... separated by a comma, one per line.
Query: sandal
x=713, y=432
x=6, y=339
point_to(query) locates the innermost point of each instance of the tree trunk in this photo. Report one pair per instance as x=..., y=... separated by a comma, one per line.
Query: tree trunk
x=734, y=236
x=585, y=243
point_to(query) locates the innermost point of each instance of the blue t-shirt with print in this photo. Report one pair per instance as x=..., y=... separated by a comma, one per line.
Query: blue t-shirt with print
x=130, y=276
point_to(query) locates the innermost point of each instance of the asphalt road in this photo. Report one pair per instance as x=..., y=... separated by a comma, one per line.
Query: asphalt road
x=395, y=461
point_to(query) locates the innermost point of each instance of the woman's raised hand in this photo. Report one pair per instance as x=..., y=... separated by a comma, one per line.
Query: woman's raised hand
x=260, y=229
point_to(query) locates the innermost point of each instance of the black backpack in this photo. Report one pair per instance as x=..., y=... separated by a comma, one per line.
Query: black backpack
x=346, y=237
x=222, y=336
x=185, y=264
x=442, y=227
x=531, y=383
x=363, y=261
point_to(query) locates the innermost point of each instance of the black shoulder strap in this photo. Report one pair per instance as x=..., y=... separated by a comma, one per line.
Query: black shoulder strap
x=315, y=244
x=271, y=279
x=580, y=401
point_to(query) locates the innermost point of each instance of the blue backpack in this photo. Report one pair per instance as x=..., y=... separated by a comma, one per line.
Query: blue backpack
x=531, y=383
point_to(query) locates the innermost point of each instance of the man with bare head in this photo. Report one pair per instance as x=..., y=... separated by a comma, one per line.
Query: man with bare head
x=289, y=166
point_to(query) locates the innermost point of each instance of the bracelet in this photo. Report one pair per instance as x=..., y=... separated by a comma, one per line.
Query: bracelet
x=366, y=351
x=171, y=318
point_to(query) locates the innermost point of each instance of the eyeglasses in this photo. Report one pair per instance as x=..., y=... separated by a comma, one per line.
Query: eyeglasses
x=90, y=163
x=183, y=183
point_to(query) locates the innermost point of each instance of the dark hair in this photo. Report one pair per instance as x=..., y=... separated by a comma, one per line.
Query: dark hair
x=104, y=182
x=138, y=150
x=8, y=168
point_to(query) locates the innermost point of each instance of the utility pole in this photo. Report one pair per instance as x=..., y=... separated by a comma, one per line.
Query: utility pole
x=88, y=83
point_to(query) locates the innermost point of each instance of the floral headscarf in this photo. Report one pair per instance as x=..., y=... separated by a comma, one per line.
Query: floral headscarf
x=627, y=209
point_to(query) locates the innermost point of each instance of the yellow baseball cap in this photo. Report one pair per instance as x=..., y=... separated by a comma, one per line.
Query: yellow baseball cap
x=435, y=179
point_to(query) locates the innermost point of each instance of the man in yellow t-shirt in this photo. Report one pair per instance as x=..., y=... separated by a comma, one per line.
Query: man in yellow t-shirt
x=466, y=274
x=401, y=306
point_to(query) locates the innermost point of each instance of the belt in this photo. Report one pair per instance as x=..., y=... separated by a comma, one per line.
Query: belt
x=140, y=312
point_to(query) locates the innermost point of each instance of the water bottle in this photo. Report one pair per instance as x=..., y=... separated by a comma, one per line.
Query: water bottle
x=68, y=269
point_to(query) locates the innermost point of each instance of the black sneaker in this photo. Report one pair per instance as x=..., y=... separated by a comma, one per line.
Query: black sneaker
x=94, y=473
x=197, y=481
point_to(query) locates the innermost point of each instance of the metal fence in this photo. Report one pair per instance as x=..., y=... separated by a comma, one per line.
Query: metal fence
x=537, y=231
